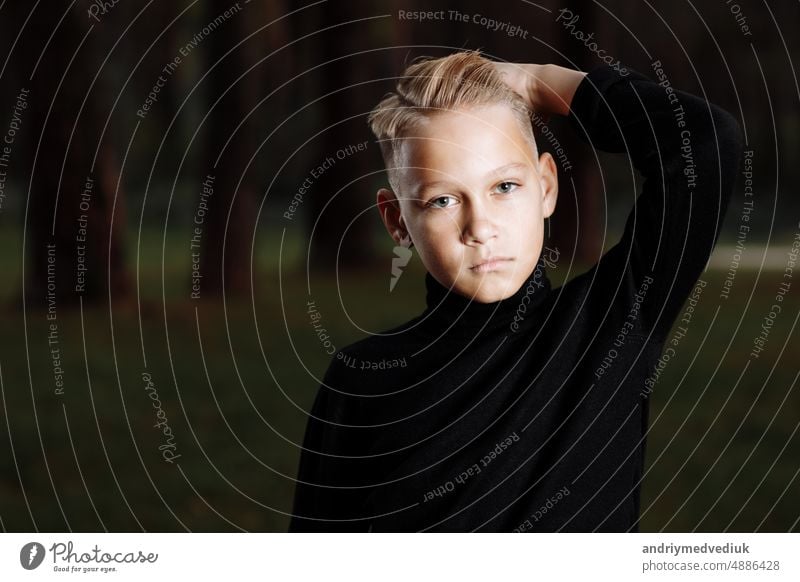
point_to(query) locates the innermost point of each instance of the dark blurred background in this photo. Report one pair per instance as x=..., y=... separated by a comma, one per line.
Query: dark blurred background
x=157, y=359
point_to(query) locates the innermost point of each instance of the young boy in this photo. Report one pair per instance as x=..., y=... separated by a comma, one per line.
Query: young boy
x=508, y=405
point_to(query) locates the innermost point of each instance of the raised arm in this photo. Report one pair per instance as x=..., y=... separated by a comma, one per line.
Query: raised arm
x=548, y=89
x=688, y=152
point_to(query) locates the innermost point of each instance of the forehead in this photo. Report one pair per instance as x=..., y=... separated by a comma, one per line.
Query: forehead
x=463, y=145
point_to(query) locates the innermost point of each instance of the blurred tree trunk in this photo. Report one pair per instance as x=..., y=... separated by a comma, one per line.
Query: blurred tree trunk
x=342, y=235
x=229, y=223
x=74, y=202
x=162, y=44
x=401, y=35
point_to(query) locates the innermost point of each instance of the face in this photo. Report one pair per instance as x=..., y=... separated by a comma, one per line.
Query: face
x=473, y=197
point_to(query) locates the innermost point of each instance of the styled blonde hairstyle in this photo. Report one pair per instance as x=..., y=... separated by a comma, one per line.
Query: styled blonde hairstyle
x=431, y=86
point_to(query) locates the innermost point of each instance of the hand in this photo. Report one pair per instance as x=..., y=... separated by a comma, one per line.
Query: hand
x=523, y=80
x=546, y=89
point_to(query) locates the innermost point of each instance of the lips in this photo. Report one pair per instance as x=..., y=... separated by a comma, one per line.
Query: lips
x=490, y=264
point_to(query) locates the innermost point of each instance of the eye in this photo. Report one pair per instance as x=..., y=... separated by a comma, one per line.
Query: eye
x=506, y=187
x=440, y=202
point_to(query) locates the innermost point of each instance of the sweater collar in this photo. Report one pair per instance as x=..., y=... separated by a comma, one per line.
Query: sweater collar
x=447, y=309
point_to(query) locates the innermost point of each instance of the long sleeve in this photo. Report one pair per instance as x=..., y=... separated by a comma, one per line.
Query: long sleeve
x=330, y=491
x=688, y=152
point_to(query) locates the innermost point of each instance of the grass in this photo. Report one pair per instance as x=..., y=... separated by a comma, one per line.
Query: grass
x=722, y=452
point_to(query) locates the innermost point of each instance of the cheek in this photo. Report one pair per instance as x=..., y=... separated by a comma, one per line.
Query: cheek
x=439, y=244
x=434, y=228
x=438, y=241
x=522, y=219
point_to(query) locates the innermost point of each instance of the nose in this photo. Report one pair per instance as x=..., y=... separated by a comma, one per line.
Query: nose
x=479, y=226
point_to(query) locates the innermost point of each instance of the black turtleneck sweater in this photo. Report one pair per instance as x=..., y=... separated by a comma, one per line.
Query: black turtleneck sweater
x=530, y=414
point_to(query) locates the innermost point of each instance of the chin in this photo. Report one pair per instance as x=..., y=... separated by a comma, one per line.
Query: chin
x=491, y=290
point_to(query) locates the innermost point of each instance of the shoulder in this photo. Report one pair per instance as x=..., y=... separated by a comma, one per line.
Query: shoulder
x=386, y=341
x=385, y=350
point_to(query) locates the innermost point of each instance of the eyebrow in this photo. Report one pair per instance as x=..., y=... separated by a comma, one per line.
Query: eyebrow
x=512, y=166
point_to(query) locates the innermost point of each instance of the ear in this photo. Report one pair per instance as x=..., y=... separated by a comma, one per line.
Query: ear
x=548, y=181
x=389, y=209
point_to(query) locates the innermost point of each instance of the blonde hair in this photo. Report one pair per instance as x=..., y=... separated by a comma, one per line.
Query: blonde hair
x=431, y=86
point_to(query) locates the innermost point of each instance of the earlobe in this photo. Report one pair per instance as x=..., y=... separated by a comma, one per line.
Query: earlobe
x=389, y=209
x=549, y=183
x=404, y=239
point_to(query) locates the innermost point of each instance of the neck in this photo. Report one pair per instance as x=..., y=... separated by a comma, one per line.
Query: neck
x=448, y=310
